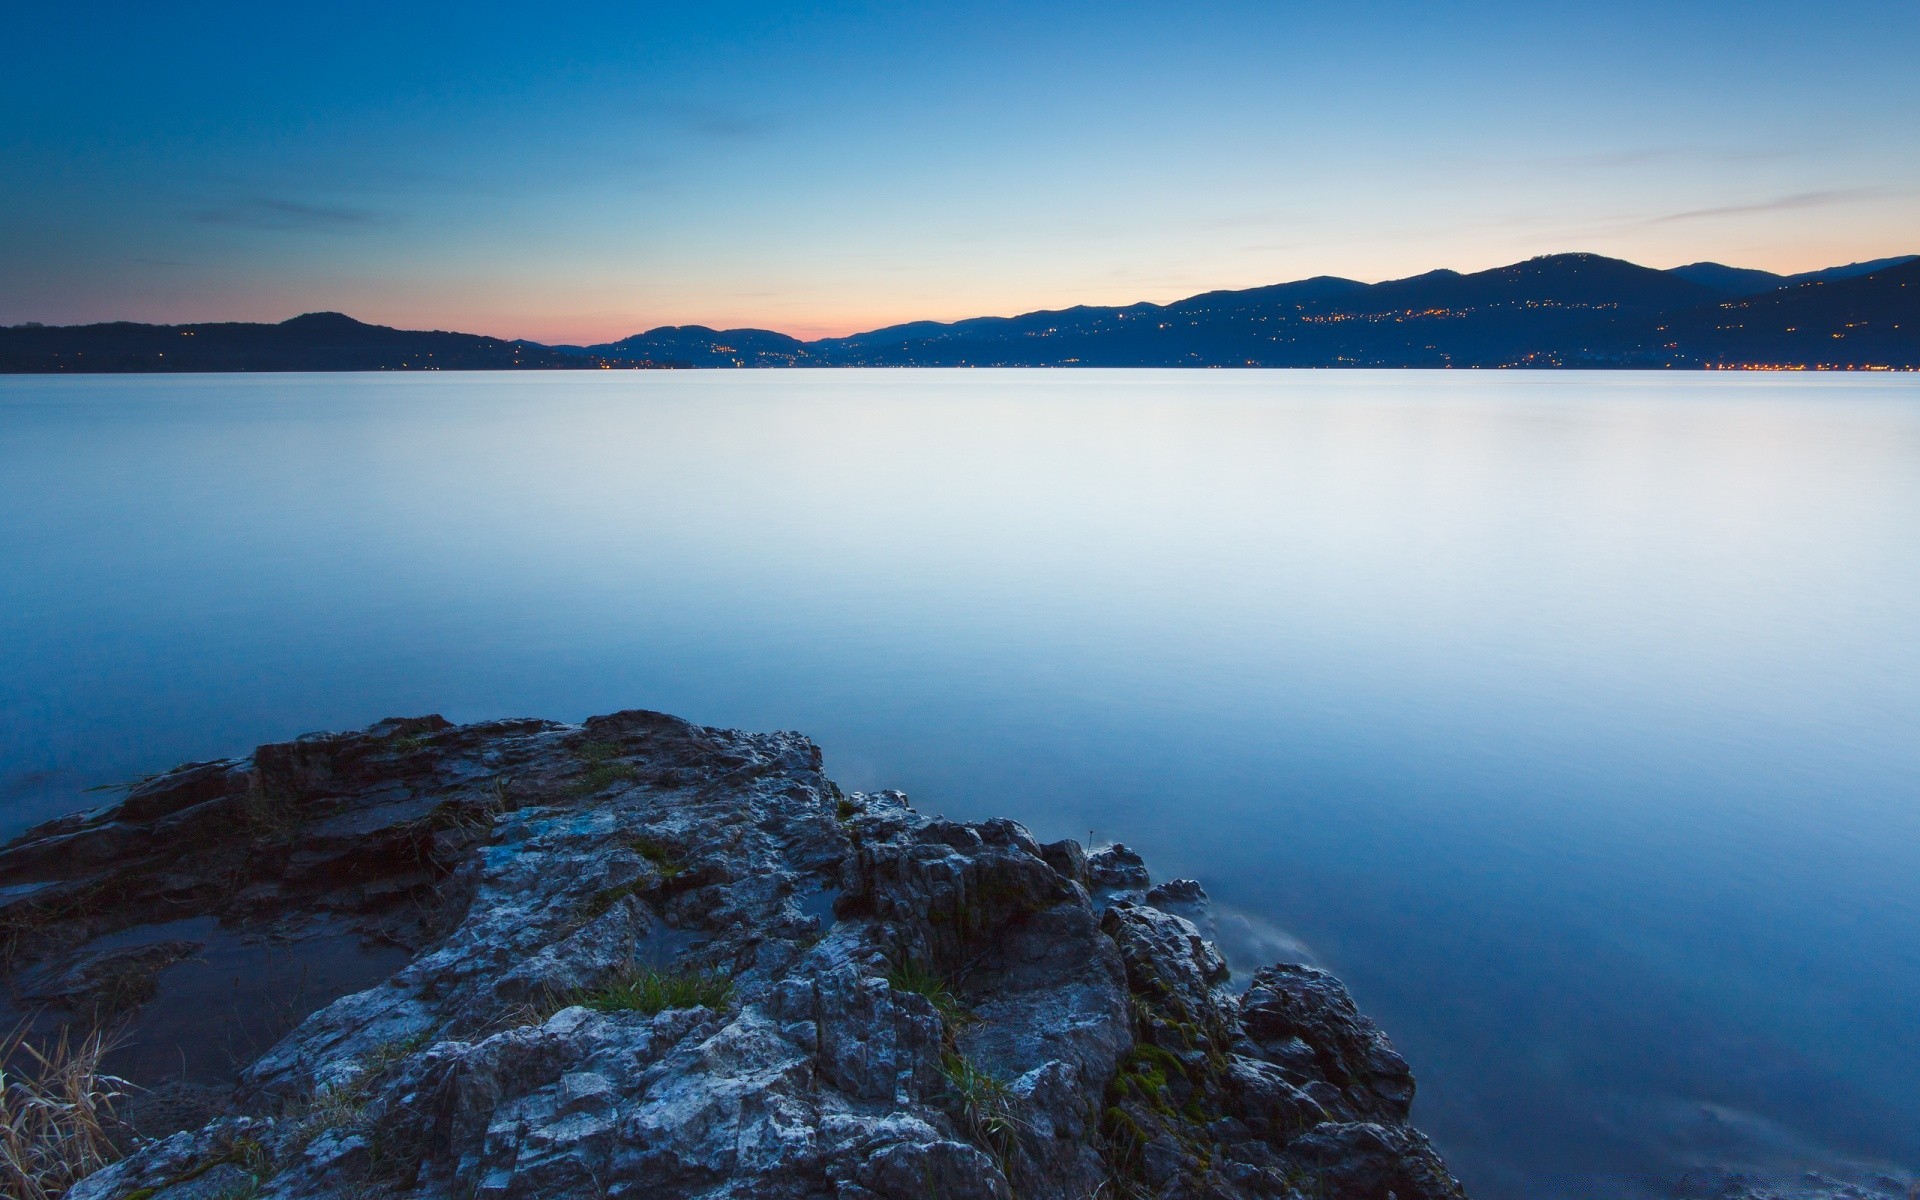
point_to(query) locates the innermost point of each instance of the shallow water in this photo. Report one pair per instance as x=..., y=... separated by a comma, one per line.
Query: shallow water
x=1573, y=718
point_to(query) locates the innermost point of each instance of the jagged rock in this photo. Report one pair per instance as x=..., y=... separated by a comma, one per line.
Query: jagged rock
x=651, y=959
x=1116, y=870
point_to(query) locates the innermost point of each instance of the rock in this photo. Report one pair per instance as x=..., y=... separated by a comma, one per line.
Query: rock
x=100, y=985
x=1116, y=870
x=1302, y=1018
x=650, y=959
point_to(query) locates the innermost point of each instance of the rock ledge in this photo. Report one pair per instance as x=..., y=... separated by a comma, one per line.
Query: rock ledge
x=644, y=958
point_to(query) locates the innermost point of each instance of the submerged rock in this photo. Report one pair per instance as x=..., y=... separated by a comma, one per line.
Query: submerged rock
x=650, y=959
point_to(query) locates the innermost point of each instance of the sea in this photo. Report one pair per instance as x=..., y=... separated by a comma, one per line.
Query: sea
x=1572, y=718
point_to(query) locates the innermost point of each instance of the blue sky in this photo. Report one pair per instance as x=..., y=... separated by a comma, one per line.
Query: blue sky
x=582, y=174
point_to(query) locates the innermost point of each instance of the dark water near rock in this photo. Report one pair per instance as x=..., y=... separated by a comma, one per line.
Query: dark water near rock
x=1574, y=719
x=231, y=998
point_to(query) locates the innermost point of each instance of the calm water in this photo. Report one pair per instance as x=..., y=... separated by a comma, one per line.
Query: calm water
x=1574, y=719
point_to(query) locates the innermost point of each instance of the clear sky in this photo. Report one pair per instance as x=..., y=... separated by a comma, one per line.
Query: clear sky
x=580, y=174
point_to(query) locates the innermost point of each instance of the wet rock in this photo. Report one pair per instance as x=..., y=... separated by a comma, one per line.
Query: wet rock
x=1117, y=870
x=1302, y=1018
x=650, y=959
x=101, y=985
x=168, y=1108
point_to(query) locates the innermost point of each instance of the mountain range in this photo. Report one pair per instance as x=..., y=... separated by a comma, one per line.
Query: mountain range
x=1561, y=310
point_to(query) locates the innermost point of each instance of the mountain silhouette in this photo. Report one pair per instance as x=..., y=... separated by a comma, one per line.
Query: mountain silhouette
x=1558, y=310
x=321, y=341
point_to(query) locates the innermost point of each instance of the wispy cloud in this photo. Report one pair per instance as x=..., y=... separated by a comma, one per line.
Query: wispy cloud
x=277, y=214
x=1797, y=200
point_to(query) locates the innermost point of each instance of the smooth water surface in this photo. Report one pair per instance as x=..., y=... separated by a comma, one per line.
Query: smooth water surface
x=1574, y=719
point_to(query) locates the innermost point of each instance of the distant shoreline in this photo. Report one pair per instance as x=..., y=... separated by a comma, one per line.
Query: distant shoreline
x=1566, y=311
x=1746, y=368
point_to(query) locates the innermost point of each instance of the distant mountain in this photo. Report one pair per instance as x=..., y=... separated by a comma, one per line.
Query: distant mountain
x=1529, y=313
x=1562, y=310
x=311, y=342
x=1729, y=281
x=1837, y=321
x=1852, y=269
x=1744, y=281
x=1559, y=310
x=699, y=346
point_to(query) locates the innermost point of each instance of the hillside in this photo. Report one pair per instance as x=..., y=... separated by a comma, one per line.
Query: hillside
x=312, y=342
x=1560, y=310
x=1566, y=310
x=1867, y=320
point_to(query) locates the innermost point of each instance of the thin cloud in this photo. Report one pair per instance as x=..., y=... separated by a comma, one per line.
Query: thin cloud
x=275, y=214
x=1781, y=204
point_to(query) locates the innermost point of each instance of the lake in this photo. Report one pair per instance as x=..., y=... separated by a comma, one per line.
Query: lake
x=1572, y=718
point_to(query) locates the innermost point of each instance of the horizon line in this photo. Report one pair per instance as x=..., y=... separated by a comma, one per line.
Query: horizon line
x=805, y=339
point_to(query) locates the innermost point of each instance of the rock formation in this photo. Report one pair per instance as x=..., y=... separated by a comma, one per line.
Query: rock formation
x=649, y=959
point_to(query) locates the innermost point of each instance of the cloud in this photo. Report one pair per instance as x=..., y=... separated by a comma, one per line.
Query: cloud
x=276, y=214
x=1780, y=204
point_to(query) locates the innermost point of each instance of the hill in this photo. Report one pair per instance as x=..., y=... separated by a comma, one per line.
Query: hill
x=1863, y=321
x=1559, y=310
x=311, y=342
x=699, y=346
x=1564, y=310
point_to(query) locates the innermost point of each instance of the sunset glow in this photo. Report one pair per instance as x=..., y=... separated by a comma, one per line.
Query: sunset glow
x=485, y=169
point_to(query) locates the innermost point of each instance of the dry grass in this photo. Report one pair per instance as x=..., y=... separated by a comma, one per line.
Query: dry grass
x=56, y=1113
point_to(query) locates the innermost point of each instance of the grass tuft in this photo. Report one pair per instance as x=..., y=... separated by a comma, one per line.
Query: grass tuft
x=603, y=900
x=388, y=1055
x=269, y=815
x=665, y=866
x=644, y=990
x=983, y=1103
x=603, y=768
x=331, y=1109
x=663, y=859
x=56, y=1107
x=922, y=980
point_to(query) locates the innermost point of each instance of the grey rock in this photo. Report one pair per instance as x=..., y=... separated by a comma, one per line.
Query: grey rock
x=626, y=982
x=1117, y=870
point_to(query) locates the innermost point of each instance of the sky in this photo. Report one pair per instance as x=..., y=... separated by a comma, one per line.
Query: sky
x=579, y=174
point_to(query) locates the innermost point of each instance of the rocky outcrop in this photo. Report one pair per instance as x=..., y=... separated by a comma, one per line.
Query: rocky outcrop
x=650, y=959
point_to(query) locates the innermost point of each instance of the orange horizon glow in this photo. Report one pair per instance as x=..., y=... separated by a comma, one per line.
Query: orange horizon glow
x=589, y=328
